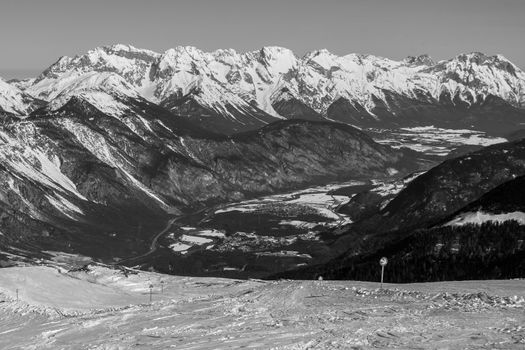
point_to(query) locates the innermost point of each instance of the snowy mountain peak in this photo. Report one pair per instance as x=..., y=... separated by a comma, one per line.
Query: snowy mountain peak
x=473, y=59
x=184, y=53
x=317, y=53
x=15, y=101
x=278, y=60
x=276, y=52
x=424, y=59
x=227, y=80
x=97, y=88
x=323, y=58
x=127, y=48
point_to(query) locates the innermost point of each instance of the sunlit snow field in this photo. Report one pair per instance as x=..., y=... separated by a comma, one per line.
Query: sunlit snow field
x=100, y=308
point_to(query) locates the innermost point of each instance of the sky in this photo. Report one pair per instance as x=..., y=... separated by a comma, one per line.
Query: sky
x=34, y=33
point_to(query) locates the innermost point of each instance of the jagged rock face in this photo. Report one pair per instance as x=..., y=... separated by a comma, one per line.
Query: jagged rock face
x=344, y=111
x=239, y=119
x=425, y=60
x=75, y=177
x=290, y=107
x=244, y=90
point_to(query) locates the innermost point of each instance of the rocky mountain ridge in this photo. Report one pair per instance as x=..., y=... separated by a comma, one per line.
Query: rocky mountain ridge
x=230, y=92
x=80, y=178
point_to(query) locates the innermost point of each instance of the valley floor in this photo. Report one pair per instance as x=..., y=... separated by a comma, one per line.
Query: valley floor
x=101, y=308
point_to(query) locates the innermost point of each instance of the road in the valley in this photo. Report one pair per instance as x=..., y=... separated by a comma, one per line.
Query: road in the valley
x=154, y=245
x=207, y=212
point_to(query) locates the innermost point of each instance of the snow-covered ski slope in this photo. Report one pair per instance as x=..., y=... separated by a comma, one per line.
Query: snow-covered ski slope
x=101, y=308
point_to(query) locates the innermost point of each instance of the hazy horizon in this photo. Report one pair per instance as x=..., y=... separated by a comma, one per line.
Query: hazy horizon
x=40, y=32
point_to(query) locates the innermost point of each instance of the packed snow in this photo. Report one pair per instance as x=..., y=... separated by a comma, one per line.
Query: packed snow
x=102, y=308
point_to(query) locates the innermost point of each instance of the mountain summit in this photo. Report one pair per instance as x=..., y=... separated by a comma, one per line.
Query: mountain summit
x=227, y=91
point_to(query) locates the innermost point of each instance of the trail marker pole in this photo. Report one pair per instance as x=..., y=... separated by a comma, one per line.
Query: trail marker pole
x=150, y=292
x=383, y=261
x=17, y=294
x=162, y=287
x=382, y=274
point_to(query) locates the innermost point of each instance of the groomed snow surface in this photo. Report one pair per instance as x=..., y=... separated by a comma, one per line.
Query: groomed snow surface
x=102, y=308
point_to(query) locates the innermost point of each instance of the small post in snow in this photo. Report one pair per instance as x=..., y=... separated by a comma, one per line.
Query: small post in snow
x=383, y=261
x=17, y=294
x=162, y=287
x=150, y=292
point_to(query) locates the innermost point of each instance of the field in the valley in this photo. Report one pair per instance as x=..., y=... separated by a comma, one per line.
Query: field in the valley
x=101, y=308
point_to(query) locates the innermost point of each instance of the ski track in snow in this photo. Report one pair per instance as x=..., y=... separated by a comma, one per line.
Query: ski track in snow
x=105, y=309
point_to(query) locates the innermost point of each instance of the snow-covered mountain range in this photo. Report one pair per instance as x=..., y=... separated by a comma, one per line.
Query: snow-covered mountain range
x=99, y=151
x=229, y=91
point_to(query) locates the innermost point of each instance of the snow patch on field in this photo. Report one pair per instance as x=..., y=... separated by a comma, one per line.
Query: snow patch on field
x=286, y=253
x=210, y=233
x=195, y=239
x=462, y=136
x=243, y=208
x=480, y=217
x=180, y=247
x=316, y=198
x=299, y=223
x=433, y=140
